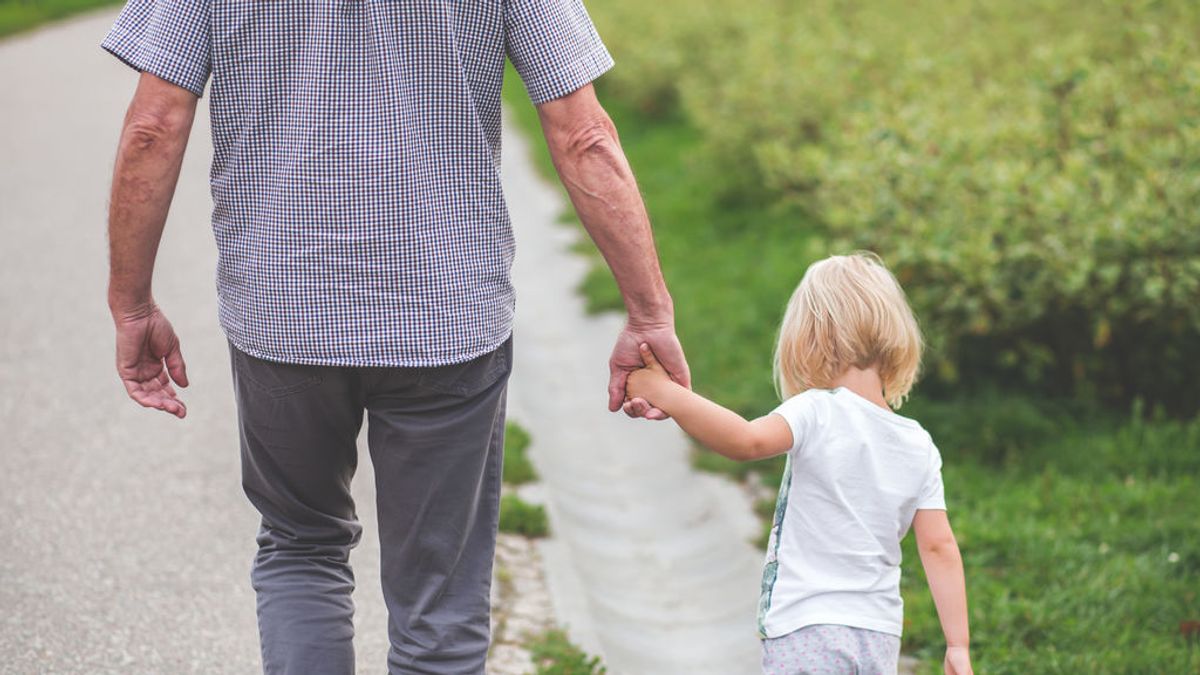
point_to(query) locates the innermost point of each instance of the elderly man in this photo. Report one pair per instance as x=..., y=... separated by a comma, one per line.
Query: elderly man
x=364, y=253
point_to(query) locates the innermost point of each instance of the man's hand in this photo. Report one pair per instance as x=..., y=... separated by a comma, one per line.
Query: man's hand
x=148, y=359
x=650, y=382
x=627, y=357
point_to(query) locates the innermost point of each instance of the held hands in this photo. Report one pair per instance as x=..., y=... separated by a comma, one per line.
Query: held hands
x=627, y=359
x=958, y=661
x=648, y=382
x=148, y=359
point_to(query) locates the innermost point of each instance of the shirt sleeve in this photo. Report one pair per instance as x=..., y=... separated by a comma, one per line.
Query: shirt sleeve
x=932, y=492
x=801, y=415
x=166, y=38
x=554, y=46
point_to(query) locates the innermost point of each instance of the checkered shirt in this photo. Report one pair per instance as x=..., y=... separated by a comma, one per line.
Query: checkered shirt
x=357, y=205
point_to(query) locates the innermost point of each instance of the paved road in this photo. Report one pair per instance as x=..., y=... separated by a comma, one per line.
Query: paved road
x=125, y=541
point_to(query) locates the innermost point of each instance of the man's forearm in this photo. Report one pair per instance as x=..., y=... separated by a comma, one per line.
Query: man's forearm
x=149, y=157
x=600, y=183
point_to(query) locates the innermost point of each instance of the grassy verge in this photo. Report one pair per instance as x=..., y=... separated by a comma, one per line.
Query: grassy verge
x=21, y=15
x=551, y=651
x=520, y=517
x=1078, y=527
x=553, y=654
x=516, y=515
x=518, y=470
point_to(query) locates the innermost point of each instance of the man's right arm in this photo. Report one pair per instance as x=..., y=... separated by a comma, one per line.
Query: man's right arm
x=587, y=154
x=149, y=158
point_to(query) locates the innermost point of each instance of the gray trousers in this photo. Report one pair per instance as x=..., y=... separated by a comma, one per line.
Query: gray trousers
x=436, y=441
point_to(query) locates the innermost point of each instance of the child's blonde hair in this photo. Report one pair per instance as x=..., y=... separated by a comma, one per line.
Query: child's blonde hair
x=848, y=311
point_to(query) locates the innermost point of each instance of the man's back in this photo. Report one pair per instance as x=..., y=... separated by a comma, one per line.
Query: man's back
x=358, y=210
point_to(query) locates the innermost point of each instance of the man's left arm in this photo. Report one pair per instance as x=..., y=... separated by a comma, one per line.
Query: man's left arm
x=557, y=52
x=149, y=156
x=587, y=154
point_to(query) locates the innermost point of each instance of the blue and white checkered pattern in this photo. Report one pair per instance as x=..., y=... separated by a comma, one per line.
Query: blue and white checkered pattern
x=358, y=211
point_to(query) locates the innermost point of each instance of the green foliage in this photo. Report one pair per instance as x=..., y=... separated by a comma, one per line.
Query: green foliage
x=707, y=460
x=517, y=467
x=992, y=428
x=553, y=654
x=520, y=517
x=1031, y=171
x=19, y=15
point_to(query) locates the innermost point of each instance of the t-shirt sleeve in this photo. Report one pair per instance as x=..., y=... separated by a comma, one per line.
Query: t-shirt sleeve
x=166, y=38
x=801, y=415
x=554, y=46
x=932, y=492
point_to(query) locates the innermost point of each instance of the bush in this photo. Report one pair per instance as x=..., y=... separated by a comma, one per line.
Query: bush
x=1031, y=171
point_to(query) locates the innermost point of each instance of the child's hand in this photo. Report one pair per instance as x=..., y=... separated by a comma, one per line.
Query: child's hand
x=958, y=661
x=648, y=382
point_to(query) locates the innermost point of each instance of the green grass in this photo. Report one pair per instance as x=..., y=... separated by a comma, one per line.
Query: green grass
x=1080, y=549
x=518, y=470
x=520, y=517
x=1078, y=526
x=20, y=15
x=553, y=654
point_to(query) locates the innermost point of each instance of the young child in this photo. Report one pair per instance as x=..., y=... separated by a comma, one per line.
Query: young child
x=857, y=476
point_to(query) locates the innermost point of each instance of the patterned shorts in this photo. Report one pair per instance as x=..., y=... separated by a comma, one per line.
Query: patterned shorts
x=828, y=649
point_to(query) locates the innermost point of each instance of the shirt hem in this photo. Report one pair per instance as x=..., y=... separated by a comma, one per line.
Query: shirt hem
x=784, y=628
x=368, y=363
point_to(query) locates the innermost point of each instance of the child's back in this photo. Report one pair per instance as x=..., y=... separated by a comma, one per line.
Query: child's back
x=858, y=476
x=852, y=486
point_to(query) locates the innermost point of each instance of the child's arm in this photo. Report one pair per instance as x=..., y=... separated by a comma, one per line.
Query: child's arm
x=718, y=428
x=944, y=570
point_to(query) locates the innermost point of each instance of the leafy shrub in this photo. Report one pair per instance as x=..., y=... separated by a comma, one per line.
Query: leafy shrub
x=655, y=47
x=520, y=517
x=994, y=429
x=1030, y=170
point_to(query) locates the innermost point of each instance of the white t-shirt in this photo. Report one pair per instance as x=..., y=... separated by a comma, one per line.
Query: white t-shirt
x=855, y=477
